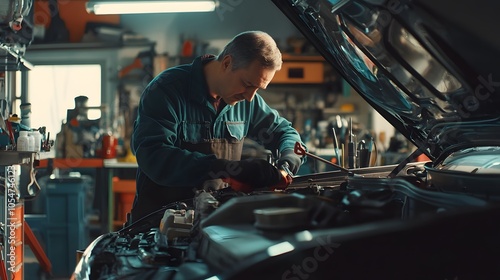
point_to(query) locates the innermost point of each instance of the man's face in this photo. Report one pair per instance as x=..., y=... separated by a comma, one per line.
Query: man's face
x=242, y=84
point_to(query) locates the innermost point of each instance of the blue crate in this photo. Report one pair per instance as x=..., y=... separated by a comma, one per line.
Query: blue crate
x=67, y=198
x=66, y=229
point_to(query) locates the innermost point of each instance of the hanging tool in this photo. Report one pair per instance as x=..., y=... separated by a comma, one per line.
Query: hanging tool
x=299, y=150
x=336, y=147
x=351, y=154
x=142, y=61
x=4, y=109
x=372, y=150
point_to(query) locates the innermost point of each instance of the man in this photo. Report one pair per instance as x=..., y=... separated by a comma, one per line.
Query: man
x=193, y=118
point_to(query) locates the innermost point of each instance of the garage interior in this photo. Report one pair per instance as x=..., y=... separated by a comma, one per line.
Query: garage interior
x=79, y=84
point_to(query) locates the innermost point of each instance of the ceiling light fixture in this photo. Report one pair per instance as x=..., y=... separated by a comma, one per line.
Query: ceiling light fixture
x=109, y=7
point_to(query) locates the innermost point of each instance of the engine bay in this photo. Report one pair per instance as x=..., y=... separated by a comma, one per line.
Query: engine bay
x=322, y=225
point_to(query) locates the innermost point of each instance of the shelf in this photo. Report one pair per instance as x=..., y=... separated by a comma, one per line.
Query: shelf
x=72, y=163
x=335, y=111
x=114, y=163
x=89, y=45
x=11, y=59
x=15, y=157
x=46, y=155
x=306, y=58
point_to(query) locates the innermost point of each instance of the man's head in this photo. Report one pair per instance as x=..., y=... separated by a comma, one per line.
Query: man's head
x=251, y=46
x=249, y=62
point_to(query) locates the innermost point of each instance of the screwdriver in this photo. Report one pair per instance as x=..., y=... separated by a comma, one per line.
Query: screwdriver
x=350, y=147
x=336, y=147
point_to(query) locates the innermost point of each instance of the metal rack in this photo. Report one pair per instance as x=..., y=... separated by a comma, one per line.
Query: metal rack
x=16, y=165
x=11, y=59
x=19, y=183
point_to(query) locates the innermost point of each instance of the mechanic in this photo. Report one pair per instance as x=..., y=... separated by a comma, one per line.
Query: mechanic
x=192, y=120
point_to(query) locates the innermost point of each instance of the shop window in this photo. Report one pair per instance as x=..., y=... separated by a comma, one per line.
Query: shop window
x=52, y=90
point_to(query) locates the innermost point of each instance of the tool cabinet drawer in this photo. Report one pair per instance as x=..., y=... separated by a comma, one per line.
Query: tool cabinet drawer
x=299, y=72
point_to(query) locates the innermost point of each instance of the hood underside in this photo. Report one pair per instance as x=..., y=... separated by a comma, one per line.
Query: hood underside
x=428, y=68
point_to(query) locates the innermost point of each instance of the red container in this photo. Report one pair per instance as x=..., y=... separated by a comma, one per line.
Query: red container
x=109, y=143
x=125, y=205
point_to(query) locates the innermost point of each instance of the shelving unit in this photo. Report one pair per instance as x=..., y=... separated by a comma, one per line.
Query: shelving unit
x=90, y=45
x=12, y=60
x=18, y=179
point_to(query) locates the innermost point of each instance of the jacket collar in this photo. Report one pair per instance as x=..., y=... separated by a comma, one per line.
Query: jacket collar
x=198, y=89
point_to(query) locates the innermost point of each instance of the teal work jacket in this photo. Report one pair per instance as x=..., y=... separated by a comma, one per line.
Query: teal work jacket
x=175, y=108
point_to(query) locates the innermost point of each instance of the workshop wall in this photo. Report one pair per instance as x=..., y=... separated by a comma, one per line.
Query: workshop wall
x=230, y=18
x=208, y=32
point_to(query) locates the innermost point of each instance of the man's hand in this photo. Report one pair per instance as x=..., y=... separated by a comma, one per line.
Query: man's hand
x=293, y=160
x=245, y=175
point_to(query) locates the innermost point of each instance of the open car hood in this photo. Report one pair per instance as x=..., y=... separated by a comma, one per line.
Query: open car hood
x=428, y=67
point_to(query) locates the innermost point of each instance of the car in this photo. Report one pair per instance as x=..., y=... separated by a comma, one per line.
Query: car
x=430, y=69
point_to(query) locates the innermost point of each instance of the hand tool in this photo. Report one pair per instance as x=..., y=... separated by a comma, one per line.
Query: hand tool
x=363, y=154
x=287, y=176
x=336, y=147
x=351, y=156
x=343, y=155
x=4, y=107
x=142, y=60
x=299, y=150
x=372, y=150
x=11, y=132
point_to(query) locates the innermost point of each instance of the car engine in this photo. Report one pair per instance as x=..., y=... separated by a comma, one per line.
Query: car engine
x=324, y=225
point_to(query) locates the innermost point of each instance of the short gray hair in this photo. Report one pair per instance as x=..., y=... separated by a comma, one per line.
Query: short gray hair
x=250, y=46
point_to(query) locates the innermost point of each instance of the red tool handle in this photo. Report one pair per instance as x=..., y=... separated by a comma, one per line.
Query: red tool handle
x=11, y=132
x=299, y=150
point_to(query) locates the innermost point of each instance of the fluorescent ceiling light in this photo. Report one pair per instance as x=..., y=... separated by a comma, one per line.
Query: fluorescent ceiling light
x=143, y=7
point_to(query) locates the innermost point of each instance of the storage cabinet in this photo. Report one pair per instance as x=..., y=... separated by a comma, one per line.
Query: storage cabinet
x=300, y=70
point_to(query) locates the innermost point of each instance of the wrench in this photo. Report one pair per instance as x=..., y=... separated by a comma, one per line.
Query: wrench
x=299, y=150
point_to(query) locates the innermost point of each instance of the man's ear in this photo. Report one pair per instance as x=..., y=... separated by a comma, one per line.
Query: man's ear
x=226, y=62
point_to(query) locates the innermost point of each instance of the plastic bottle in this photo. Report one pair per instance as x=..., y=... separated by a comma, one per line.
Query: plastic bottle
x=31, y=142
x=23, y=141
x=37, y=136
